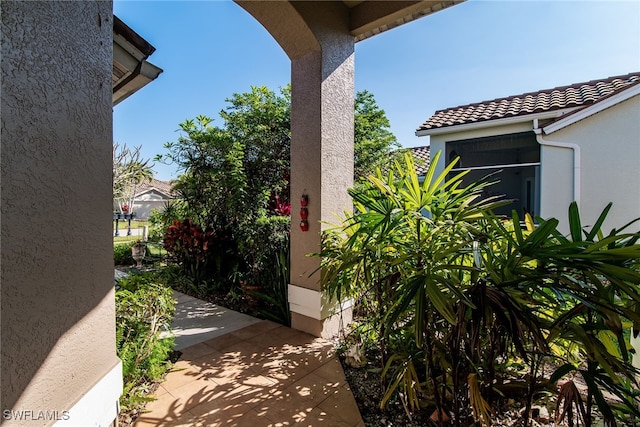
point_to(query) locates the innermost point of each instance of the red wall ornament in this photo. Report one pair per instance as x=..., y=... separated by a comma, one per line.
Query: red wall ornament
x=304, y=212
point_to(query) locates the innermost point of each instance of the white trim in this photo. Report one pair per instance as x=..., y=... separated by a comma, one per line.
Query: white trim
x=598, y=106
x=576, y=158
x=99, y=407
x=510, y=165
x=495, y=122
x=148, y=190
x=314, y=304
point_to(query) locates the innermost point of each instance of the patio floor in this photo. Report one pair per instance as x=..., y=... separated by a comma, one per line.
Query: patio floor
x=250, y=372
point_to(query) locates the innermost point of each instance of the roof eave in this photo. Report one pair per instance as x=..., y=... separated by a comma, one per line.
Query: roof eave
x=144, y=74
x=149, y=190
x=598, y=106
x=131, y=71
x=495, y=122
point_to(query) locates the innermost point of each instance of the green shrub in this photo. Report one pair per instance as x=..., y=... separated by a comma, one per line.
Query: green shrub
x=144, y=310
x=122, y=253
x=451, y=292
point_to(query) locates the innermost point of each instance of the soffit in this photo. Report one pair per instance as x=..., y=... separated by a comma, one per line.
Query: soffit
x=130, y=71
x=368, y=18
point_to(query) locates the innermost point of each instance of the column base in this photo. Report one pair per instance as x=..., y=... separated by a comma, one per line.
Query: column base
x=99, y=406
x=327, y=328
x=315, y=313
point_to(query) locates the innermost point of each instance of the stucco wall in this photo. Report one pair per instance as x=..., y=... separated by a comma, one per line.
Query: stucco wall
x=57, y=306
x=144, y=204
x=610, y=166
x=556, y=183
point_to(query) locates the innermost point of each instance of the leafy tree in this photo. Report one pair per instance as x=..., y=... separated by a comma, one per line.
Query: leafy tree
x=373, y=141
x=129, y=171
x=235, y=178
x=260, y=121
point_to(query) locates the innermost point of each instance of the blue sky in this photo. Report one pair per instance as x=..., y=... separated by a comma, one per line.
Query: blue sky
x=471, y=52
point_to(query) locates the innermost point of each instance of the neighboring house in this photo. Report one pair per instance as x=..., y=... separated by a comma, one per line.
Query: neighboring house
x=579, y=142
x=151, y=195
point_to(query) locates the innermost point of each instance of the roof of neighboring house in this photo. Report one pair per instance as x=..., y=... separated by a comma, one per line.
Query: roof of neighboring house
x=164, y=187
x=589, y=110
x=131, y=71
x=571, y=96
x=422, y=156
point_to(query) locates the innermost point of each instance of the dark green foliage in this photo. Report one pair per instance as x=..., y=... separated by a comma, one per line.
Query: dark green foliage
x=144, y=310
x=451, y=292
x=259, y=244
x=122, y=254
x=275, y=296
x=234, y=192
x=161, y=219
x=373, y=140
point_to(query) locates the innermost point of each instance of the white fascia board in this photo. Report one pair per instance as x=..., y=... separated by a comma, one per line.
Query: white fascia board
x=148, y=73
x=601, y=105
x=152, y=189
x=495, y=122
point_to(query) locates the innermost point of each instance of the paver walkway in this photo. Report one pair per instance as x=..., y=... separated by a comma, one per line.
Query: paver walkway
x=258, y=374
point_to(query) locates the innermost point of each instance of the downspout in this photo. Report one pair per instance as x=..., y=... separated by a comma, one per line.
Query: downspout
x=576, y=157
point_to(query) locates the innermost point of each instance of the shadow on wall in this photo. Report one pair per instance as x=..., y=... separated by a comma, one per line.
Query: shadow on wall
x=57, y=306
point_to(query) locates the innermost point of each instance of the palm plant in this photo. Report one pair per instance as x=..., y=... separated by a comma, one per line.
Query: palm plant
x=470, y=290
x=405, y=250
x=599, y=278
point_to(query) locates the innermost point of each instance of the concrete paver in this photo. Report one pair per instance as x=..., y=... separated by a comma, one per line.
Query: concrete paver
x=235, y=371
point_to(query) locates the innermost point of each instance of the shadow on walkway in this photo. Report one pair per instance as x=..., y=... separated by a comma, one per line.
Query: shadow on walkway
x=236, y=370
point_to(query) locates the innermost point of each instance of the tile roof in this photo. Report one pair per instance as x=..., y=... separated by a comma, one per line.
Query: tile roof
x=574, y=95
x=422, y=157
x=163, y=186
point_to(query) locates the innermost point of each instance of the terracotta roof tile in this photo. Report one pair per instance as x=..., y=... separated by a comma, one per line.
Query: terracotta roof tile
x=575, y=95
x=422, y=156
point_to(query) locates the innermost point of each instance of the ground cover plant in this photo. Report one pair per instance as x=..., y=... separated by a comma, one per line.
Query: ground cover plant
x=467, y=309
x=144, y=310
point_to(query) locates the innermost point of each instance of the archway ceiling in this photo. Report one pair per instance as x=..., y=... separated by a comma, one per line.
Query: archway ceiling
x=368, y=18
x=362, y=18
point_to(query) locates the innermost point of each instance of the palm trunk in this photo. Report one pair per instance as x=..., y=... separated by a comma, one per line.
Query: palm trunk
x=436, y=393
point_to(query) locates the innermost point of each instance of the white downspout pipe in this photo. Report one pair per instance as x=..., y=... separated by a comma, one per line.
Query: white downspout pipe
x=576, y=157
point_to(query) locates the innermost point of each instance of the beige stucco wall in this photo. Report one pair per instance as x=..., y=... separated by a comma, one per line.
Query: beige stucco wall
x=609, y=162
x=57, y=306
x=556, y=183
